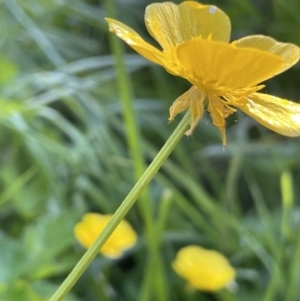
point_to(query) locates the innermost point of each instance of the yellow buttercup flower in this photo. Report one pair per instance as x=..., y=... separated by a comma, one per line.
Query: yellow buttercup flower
x=195, y=45
x=206, y=270
x=92, y=224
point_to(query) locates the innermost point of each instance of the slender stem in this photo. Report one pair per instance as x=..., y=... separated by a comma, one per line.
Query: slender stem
x=133, y=139
x=122, y=210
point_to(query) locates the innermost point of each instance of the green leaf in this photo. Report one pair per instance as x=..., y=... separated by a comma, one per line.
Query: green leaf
x=13, y=261
x=8, y=70
x=47, y=239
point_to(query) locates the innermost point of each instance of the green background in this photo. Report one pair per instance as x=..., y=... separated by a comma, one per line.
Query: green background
x=64, y=152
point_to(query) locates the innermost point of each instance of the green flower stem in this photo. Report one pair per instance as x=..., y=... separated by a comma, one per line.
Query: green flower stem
x=122, y=210
x=133, y=139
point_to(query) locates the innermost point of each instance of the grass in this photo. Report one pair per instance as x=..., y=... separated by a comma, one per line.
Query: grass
x=66, y=150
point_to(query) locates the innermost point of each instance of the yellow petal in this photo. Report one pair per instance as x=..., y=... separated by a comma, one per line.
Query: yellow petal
x=181, y=104
x=288, y=52
x=277, y=114
x=204, y=269
x=217, y=67
x=172, y=24
x=196, y=109
x=136, y=42
x=92, y=224
x=193, y=100
x=218, y=113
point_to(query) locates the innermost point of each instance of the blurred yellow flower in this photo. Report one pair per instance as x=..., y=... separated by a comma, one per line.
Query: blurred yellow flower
x=195, y=45
x=206, y=270
x=92, y=224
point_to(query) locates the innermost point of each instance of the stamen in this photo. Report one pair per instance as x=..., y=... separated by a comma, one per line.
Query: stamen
x=230, y=110
x=233, y=43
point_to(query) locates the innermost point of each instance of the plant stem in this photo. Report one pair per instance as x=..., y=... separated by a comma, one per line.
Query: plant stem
x=133, y=140
x=122, y=210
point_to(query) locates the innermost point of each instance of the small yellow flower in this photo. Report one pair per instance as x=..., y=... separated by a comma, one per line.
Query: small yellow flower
x=92, y=224
x=195, y=45
x=206, y=270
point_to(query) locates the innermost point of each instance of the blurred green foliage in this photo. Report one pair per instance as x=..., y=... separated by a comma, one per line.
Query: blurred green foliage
x=64, y=152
